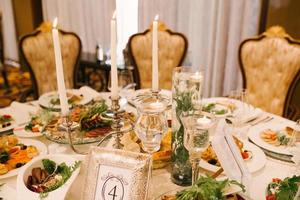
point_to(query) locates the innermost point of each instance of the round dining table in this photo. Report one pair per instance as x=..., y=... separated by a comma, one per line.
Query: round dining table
x=161, y=181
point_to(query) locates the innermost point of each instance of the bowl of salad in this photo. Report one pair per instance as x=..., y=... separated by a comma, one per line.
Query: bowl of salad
x=47, y=177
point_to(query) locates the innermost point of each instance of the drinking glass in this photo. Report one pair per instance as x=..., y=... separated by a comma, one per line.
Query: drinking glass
x=198, y=127
x=151, y=125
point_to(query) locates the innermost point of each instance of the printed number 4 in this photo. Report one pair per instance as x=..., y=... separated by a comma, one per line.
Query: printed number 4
x=112, y=192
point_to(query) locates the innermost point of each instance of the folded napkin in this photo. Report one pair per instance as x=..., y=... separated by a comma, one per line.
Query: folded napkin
x=229, y=155
x=247, y=114
x=22, y=112
x=89, y=92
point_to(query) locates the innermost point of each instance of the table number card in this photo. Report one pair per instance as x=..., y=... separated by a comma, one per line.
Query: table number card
x=113, y=174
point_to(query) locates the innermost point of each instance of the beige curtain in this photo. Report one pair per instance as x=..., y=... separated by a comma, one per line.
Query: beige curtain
x=9, y=31
x=90, y=19
x=214, y=30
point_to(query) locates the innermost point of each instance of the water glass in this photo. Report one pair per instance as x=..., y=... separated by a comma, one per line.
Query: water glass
x=151, y=125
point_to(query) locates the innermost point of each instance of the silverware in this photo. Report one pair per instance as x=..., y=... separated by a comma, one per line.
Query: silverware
x=263, y=120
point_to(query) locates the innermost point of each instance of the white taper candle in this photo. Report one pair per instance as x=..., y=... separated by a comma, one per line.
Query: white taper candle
x=59, y=71
x=113, y=52
x=155, y=73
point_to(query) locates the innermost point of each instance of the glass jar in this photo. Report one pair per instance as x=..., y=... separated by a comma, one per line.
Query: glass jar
x=186, y=95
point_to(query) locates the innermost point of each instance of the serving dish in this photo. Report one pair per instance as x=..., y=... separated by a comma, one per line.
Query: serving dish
x=41, y=148
x=59, y=193
x=75, y=97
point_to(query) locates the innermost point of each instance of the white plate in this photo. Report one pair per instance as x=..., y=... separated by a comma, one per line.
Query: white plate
x=254, y=136
x=12, y=126
x=39, y=145
x=131, y=97
x=219, y=106
x=254, y=164
x=45, y=99
x=8, y=193
x=21, y=132
x=59, y=194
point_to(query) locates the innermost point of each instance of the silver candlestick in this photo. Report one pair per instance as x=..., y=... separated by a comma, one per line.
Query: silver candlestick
x=68, y=126
x=118, y=123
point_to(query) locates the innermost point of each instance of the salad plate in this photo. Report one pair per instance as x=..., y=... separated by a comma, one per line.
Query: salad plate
x=255, y=135
x=255, y=162
x=75, y=97
x=219, y=106
x=41, y=148
x=23, y=133
x=7, y=122
x=36, y=125
x=59, y=170
x=134, y=97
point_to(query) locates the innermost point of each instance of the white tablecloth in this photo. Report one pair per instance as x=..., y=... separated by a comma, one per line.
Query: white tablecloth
x=161, y=178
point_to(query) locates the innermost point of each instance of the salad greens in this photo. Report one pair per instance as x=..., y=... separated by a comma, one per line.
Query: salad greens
x=94, y=117
x=207, y=188
x=285, y=189
x=211, y=108
x=51, y=177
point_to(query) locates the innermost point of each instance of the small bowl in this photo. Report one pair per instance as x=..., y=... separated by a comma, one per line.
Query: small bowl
x=59, y=194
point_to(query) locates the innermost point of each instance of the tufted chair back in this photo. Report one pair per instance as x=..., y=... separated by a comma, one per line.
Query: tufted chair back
x=38, y=53
x=270, y=65
x=171, y=52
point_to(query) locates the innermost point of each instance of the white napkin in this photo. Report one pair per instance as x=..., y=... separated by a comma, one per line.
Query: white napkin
x=22, y=111
x=248, y=114
x=229, y=155
x=89, y=92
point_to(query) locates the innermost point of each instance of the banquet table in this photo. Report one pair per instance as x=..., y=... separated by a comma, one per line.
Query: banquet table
x=161, y=181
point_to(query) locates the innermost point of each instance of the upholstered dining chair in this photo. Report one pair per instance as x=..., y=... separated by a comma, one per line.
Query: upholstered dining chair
x=172, y=49
x=270, y=65
x=38, y=53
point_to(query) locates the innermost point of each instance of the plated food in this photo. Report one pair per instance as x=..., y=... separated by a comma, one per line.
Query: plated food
x=5, y=120
x=49, y=177
x=139, y=95
x=278, y=137
x=255, y=159
x=219, y=106
x=75, y=97
x=90, y=124
x=285, y=189
x=15, y=153
x=210, y=156
x=160, y=159
x=36, y=125
x=264, y=136
x=205, y=188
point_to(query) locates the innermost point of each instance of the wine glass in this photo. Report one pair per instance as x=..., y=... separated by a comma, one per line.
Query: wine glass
x=198, y=127
x=240, y=99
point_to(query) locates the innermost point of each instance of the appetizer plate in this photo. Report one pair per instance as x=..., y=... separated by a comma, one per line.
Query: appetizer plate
x=59, y=194
x=21, y=132
x=39, y=145
x=254, y=135
x=8, y=128
x=221, y=104
x=45, y=99
x=254, y=164
x=132, y=97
